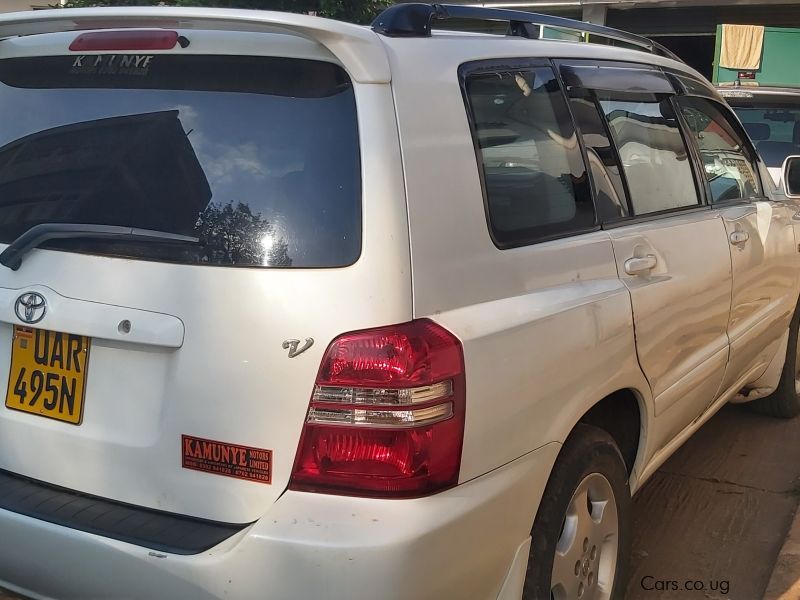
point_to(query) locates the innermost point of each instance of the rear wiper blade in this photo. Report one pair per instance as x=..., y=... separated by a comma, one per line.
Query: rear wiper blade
x=12, y=256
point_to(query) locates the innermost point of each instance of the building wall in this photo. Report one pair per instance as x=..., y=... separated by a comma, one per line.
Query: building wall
x=15, y=5
x=703, y=19
x=7, y=6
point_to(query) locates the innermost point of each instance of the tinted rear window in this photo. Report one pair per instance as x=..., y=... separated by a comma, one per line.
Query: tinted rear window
x=773, y=123
x=256, y=156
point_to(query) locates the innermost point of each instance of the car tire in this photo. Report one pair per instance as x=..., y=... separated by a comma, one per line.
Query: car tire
x=574, y=550
x=784, y=402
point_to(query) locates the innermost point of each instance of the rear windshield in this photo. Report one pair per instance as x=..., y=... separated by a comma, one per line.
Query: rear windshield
x=257, y=157
x=773, y=125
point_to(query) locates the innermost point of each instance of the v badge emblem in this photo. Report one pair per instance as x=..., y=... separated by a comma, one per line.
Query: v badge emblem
x=294, y=348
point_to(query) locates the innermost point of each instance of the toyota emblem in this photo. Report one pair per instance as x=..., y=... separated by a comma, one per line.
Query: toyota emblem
x=30, y=307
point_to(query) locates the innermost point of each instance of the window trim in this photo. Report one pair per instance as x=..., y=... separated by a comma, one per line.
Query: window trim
x=697, y=155
x=619, y=78
x=694, y=152
x=592, y=95
x=656, y=216
x=493, y=65
x=579, y=137
x=675, y=77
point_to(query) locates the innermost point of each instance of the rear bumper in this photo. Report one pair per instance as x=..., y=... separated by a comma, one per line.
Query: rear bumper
x=457, y=544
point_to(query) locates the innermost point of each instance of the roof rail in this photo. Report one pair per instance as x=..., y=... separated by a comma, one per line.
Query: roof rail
x=416, y=20
x=358, y=49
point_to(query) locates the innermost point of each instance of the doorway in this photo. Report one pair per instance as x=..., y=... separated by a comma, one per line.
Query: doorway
x=696, y=50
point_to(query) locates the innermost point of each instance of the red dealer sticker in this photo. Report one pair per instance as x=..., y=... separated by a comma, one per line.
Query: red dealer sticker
x=231, y=460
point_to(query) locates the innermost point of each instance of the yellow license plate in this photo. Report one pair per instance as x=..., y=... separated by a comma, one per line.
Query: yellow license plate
x=48, y=373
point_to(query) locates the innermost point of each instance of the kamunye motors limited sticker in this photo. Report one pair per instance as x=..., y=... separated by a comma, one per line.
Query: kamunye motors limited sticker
x=230, y=460
x=112, y=64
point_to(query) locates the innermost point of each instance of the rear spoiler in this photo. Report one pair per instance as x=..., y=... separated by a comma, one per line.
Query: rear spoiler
x=358, y=48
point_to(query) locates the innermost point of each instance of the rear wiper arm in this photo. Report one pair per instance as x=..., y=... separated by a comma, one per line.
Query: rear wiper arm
x=12, y=256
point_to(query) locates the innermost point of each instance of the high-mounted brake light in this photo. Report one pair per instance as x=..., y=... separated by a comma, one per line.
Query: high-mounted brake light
x=386, y=418
x=135, y=39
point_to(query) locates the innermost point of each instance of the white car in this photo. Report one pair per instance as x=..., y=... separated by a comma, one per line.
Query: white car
x=292, y=308
x=771, y=117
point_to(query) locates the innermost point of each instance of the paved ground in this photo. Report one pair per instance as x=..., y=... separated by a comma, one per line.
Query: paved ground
x=785, y=581
x=717, y=513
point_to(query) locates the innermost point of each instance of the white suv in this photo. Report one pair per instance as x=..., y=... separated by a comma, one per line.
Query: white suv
x=293, y=308
x=771, y=117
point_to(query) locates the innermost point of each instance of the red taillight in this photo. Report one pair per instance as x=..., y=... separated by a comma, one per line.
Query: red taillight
x=125, y=40
x=387, y=415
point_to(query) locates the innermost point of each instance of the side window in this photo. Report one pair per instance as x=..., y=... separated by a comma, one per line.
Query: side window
x=653, y=153
x=604, y=167
x=730, y=173
x=535, y=181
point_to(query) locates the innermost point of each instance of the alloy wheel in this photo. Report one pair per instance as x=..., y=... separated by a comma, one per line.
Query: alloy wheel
x=586, y=552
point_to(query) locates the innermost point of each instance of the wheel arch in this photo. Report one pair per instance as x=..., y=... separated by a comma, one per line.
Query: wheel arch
x=623, y=415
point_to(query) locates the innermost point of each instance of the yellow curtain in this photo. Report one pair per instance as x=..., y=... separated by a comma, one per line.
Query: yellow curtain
x=741, y=46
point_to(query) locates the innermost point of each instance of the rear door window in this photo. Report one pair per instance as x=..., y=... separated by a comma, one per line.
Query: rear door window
x=258, y=157
x=535, y=180
x=653, y=153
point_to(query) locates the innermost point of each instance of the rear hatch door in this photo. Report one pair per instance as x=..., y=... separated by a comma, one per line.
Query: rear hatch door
x=171, y=374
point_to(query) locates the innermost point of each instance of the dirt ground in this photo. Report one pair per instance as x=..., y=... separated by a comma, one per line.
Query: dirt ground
x=713, y=519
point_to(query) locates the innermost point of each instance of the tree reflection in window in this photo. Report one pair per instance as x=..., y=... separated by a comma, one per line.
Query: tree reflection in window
x=234, y=235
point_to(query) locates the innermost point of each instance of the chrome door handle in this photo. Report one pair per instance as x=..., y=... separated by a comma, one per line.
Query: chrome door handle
x=638, y=266
x=739, y=237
